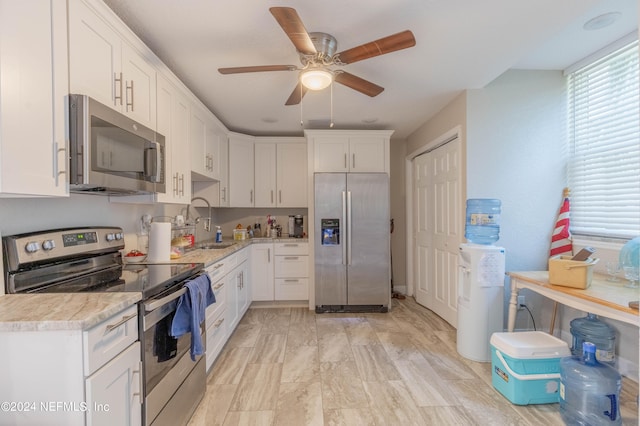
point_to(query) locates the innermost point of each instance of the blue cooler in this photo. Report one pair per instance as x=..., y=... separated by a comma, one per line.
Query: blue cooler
x=525, y=366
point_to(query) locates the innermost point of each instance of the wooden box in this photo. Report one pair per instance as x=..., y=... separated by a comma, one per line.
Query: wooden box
x=571, y=273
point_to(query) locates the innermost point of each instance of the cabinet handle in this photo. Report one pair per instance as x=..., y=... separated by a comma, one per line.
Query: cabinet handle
x=140, y=382
x=181, y=184
x=251, y=196
x=353, y=161
x=56, y=171
x=224, y=194
x=345, y=160
x=280, y=196
x=291, y=245
x=112, y=327
x=117, y=80
x=291, y=258
x=218, y=266
x=175, y=184
x=272, y=196
x=218, y=323
x=218, y=286
x=130, y=104
x=291, y=281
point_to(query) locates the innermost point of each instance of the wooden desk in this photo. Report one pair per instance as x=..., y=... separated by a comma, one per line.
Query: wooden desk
x=604, y=298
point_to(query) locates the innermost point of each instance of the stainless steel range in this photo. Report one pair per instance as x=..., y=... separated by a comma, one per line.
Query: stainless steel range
x=88, y=259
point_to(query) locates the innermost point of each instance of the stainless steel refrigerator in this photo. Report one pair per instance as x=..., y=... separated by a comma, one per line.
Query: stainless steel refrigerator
x=352, y=236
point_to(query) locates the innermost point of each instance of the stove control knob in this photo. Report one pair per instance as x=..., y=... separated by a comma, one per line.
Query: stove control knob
x=119, y=236
x=111, y=236
x=32, y=247
x=48, y=245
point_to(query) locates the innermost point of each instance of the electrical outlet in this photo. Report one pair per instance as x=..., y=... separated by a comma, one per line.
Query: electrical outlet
x=521, y=301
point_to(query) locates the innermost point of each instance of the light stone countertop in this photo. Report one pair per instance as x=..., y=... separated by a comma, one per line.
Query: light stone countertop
x=61, y=311
x=210, y=256
x=81, y=311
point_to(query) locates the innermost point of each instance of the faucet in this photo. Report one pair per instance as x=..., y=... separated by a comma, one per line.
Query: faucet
x=207, y=223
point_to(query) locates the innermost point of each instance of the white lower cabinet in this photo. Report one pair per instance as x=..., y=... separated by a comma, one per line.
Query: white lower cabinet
x=239, y=292
x=74, y=377
x=262, y=272
x=216, y=330
x=291, y=271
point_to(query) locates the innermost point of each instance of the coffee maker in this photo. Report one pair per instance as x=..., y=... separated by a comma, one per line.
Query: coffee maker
x=298, y=225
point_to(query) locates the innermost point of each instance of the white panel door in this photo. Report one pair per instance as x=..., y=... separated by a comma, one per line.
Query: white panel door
x=437, y=219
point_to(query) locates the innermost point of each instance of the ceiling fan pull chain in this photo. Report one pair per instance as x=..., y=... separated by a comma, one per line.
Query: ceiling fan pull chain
x=301, y=121
x=331, y=108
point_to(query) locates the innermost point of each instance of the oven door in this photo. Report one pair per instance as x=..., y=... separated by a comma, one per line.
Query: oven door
x=166, y=360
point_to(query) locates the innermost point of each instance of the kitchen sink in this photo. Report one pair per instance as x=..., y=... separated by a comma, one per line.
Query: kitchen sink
x=215, y=246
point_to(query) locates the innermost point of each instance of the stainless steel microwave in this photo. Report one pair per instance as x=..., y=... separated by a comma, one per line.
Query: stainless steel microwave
x=110, y=154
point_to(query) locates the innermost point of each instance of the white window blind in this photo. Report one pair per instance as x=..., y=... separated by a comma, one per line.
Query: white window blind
x=604, y=164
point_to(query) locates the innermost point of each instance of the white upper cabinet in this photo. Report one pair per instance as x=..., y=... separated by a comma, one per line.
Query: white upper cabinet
x=351, y=151
x=106, y=67
x=241, y=170
x=265, y=174
x=291, y=170
x=280, y=172
x=33, y=77
x=205, y=144
x=173, y=122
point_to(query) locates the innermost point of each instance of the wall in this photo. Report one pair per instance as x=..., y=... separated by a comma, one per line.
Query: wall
x=398, y=152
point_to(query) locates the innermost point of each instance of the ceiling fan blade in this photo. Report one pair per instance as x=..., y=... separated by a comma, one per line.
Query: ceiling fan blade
x=296, y=96
x=359, y=84
x=378, y=47
x=259, y=68
x=292, y=25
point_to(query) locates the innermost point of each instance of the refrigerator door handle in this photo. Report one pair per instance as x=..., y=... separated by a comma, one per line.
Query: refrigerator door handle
x=349, y=227
x=344, y=222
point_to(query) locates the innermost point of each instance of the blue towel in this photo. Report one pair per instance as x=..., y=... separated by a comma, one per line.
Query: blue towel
x=191, y=310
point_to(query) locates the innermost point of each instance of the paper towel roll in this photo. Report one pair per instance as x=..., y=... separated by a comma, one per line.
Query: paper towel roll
x=159, y=242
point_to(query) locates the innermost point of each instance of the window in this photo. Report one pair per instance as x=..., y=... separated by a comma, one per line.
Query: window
x=604, y=145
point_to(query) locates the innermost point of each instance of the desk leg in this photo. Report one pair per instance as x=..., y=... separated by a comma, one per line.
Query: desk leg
x=513, y=307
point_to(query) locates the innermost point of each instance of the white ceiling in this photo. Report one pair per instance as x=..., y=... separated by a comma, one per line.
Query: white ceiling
x=460, y=44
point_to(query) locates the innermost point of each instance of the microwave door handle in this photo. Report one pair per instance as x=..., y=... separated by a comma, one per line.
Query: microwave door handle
x=152, y=159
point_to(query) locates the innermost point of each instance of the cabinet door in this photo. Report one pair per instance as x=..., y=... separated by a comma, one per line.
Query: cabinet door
x=241, y=172
x=265, y=174
x=212, y=150
x=33, y=77
x=139, y=87
x=114, y=392
x=331, y=154
x=94, y=57
x=262, y=272
x=292, y=175
x=223, y=185
x=198, y=136
x=245, y=289
x=172, y=111
x=367, y=154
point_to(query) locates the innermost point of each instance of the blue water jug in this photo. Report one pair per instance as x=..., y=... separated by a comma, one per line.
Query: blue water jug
x=589, y=390
x=591, y=329
x=483, y=221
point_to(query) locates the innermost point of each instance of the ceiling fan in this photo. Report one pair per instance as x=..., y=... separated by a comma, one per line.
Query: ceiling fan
x=318, y=54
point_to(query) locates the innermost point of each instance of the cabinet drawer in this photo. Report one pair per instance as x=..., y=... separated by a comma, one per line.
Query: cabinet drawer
x=242, y=255
x=220, y=292
x=107, y=339
x=221, y=267
x=291, y=248
x=291, y=266
x=292, y=289
x=216, y=338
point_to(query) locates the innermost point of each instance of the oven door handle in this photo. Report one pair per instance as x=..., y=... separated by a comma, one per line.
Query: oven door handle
x=148, y=307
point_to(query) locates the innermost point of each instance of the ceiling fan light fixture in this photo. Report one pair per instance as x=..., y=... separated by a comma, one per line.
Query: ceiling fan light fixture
x=316, y=79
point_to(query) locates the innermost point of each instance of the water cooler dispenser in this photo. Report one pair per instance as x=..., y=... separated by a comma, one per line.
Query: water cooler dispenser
x=481, y=271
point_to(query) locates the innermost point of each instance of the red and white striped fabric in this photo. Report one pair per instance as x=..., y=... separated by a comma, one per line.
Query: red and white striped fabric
x=561, y=242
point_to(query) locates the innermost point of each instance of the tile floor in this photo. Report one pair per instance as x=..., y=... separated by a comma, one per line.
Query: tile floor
x=289, y=366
